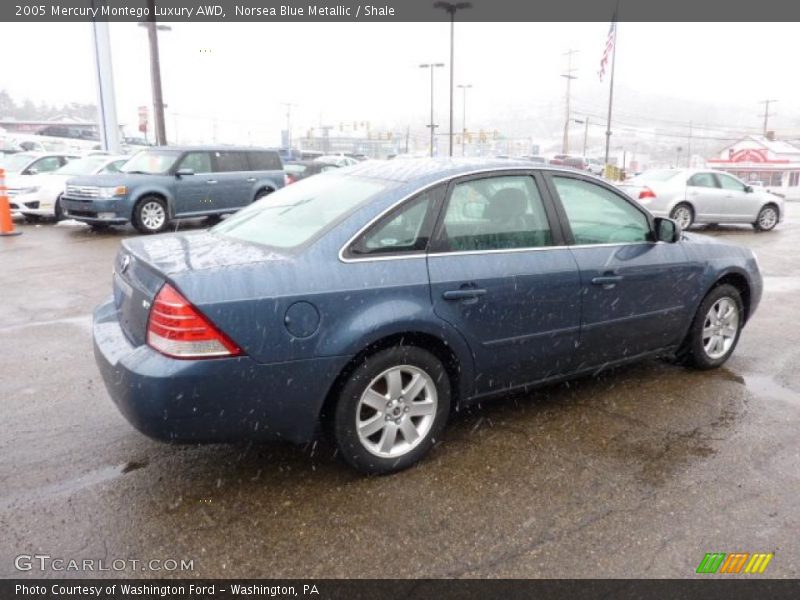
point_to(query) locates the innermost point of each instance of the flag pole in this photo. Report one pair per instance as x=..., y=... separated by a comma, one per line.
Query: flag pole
x=611, y=88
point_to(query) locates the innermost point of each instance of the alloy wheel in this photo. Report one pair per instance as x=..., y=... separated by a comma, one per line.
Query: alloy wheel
x=152, y=215
x=720, y=327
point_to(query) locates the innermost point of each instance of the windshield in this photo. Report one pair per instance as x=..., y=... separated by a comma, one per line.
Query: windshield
x=293, y=215
x=656, y=175
x=14, y=163
x=83, y=166
x=151, y=162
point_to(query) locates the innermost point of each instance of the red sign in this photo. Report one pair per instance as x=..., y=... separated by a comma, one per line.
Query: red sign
x=748, y=155
x=143, y=119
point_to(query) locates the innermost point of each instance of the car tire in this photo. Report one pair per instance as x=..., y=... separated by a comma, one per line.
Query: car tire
x=58, y=211
x=151, y=215
x=767, y=218
x=99, y=227
x=260, y=194
x=376, y=426
x=715, y=329
x=683, y=215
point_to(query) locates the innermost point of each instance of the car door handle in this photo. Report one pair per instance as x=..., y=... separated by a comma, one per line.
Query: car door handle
x=464, y=294
x=211, y=181
x=607, y=281
x=250, y=180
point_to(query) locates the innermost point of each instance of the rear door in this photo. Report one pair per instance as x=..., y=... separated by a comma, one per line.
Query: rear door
x=705, y=196
x=636, y=294
x=234, y=187
x=195, y=193
x=501, y=276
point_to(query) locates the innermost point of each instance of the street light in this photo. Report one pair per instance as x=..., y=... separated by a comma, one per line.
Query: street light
x=431, y=66
x=451, y=8
x=585, y=131
x=464, y=89
x=155, y=74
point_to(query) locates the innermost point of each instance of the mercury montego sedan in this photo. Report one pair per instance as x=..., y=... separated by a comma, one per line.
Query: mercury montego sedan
x=369, y=301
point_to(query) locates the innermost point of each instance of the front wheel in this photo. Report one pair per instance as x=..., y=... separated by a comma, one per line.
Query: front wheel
x=683, y=215
x=767, y=218
x=150, y=215
x=391, y=410
x=716, y=328
x=58, y=210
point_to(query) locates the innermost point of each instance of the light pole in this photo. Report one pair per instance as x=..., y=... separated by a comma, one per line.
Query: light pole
x=431, y=66
x=585, y=123
x=155, y=74
x=451, y=8
x=288, y=106
x=464, y=88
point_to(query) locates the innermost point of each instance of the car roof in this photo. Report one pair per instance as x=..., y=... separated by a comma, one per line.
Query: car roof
x=429, y=169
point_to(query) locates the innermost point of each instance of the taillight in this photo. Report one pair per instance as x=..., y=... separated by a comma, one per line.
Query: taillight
x=287, y=179
x=646, y=193
x=177, y=329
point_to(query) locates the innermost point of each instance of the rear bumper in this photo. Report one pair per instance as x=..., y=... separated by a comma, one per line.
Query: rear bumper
x=214, y=400
x=114, y=211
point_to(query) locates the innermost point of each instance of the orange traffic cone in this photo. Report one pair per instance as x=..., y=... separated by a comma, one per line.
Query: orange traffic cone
x=6, y=224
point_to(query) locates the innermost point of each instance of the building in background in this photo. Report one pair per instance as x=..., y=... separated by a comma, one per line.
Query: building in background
x=775, y=163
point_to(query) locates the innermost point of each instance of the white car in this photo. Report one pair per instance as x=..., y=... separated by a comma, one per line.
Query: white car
x=340, y=160
x=44, y=195
x=691, y=196
x=22, y=169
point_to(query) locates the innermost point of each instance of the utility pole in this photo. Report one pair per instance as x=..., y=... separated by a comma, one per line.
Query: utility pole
x=288, y=106
x=431, y=125
x=155, y=74
x=689, y=148
x=585, y=135
x=766, y=114
x=568, y=75
x=464, y=89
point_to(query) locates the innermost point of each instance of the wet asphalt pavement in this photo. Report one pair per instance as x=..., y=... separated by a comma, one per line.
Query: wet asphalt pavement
x=636, y=473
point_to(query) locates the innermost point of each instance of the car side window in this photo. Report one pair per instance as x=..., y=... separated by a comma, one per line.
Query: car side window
x=729, y=183
x=597, y=215
x=264, y=161
x=199, y=162
x=706, y=180
x=494, y=213
x=46, y=165
x=226, y=161
x=406, y=229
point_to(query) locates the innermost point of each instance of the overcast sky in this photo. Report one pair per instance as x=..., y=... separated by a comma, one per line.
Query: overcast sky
x=240, y=73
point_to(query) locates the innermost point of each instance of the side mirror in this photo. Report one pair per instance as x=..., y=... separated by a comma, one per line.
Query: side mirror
x=31, y=171
x=184, y=172
x=748, y=189
x=667, y=230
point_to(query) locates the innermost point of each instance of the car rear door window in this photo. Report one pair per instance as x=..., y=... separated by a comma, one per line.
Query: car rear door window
x=597, y=215
x=226, y=161
x=199, y=162
x=263, y=160
x=494, y=213
x=706, y=180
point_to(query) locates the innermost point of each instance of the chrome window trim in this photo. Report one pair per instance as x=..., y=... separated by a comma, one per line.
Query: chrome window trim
x=415, y=255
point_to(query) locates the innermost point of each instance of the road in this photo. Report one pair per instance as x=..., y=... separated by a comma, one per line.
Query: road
x=636, y=473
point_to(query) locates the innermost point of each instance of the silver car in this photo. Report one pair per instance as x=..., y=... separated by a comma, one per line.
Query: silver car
x=703, y=196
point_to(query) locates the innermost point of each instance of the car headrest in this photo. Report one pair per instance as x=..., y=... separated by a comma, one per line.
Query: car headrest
x=507, y=203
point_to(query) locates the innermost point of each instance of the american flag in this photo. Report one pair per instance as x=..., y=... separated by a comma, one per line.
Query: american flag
x=610, y=40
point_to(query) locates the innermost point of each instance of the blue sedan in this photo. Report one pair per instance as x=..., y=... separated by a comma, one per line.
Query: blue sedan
x=370, y=301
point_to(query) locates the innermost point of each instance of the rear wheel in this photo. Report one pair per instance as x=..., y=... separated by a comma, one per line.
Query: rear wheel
x=391, y=410
x=150, y=215
x=767, y=218
x=260, y=194
x=683, y=215
x=716, y=328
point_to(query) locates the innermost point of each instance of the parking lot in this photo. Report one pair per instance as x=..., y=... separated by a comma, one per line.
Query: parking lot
x=636, y=473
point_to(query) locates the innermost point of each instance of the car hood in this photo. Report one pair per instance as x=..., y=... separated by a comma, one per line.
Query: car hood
x=178, y=253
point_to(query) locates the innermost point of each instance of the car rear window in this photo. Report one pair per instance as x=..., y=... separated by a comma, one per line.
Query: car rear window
x=295, y=214
x=264, y=160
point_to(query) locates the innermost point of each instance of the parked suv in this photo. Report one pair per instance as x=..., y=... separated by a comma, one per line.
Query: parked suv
x=162, y=184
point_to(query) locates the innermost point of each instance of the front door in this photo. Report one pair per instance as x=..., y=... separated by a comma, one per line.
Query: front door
x=636, y=294
x=498, y=276
x=195, y=193
x=737, y=205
